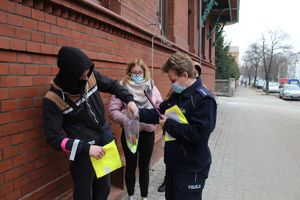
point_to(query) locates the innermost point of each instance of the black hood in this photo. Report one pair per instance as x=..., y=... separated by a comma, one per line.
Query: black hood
x=72, y=62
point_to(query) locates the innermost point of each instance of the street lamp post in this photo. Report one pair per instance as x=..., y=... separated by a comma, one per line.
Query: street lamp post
x=295, y=71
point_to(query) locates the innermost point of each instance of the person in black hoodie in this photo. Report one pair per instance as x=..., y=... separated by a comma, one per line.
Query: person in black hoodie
x=74, y=119
x=188, y=157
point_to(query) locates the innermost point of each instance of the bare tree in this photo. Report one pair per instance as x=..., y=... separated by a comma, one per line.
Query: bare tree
x=254, y=55
x=247, y=68
x=279, y=68
x=272, y=45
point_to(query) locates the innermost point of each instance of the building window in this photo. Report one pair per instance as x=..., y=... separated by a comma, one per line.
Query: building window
x=163, y=16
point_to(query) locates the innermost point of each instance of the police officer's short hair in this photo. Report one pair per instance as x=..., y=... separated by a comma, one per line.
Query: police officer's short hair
x=180, y=63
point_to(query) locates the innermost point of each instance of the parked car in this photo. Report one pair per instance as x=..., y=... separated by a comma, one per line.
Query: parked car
x=289, y=91
x=294, y=82
x=273, y=87
x=260, y=84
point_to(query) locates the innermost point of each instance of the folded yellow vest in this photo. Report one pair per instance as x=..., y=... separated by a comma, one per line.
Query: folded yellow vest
x=109, y=162
x=174, y=113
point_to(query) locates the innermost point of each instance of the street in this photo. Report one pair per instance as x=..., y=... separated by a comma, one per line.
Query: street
x=255, y=148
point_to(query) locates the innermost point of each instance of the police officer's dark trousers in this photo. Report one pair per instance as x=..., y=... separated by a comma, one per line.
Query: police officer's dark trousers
x=183, y=185
x=86, y=184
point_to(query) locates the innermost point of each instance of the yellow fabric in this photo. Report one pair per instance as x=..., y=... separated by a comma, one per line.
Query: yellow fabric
x=174, y=113
x=132, y=143
x=109, y=162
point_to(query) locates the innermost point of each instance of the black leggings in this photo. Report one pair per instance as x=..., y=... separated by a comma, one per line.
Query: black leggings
x=86, y=184
x=144, y=152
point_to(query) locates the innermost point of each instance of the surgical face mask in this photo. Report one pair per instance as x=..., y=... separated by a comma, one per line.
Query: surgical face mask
x=176, y=87
x=137, y=79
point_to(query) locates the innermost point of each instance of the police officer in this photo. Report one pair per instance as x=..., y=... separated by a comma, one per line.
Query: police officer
x=198, y=69
x=187, y=158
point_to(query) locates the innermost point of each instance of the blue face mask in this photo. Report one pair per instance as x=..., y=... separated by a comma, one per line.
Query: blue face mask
x=137, y=79
x=176, y=87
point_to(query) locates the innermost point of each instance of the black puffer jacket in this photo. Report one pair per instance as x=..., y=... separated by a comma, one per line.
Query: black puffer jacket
x=73, y=113
x=190, y=151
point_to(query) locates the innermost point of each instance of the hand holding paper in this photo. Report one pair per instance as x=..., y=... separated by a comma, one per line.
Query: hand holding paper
x=96, y=151
x=174, y=113
x=109, y=162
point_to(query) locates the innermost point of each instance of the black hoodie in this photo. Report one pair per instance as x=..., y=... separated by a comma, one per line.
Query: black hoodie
x=71, y=113
x=72, y=63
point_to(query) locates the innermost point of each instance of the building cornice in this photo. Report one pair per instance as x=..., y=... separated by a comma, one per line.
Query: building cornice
x=93, y=15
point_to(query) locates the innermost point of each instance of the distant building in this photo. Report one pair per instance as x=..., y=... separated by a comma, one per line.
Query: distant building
x=235, y=52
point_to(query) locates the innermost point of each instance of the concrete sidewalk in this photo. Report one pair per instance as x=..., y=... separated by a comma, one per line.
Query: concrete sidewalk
x=157, y=173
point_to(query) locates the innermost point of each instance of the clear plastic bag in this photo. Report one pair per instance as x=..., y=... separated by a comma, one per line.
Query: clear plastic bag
x=132, y=129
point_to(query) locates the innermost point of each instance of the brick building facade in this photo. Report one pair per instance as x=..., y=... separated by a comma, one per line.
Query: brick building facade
x=112, y=33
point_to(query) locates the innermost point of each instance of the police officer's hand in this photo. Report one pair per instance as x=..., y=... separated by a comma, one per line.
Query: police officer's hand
x=162, y=120
x=96, y=151
x=132, y=110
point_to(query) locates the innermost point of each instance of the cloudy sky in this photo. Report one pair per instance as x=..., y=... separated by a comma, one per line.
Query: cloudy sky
x=258, y=16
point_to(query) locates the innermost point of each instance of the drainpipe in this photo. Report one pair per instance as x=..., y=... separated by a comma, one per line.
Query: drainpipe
x=152, y=54
x=200, y=31
x=229, y=5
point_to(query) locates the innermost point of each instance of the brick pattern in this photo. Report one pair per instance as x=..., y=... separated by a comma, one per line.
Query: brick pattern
x=31, y=33
x=181, y=23
x=142, y=13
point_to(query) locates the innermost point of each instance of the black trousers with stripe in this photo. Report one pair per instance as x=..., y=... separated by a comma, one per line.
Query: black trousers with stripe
x=86, y=184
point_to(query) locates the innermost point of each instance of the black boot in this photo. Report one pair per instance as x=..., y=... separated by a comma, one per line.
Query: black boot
x=162, y=187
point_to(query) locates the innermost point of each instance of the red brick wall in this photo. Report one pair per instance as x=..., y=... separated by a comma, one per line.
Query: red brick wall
x=208, y=79
x=31, y=33
x=143, y=13
x=181, y=24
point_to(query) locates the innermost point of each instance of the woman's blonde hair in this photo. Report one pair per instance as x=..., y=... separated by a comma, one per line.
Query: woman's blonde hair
x=136, y=62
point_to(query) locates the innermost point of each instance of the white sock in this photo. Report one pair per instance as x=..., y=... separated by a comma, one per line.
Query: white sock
x=144, y=198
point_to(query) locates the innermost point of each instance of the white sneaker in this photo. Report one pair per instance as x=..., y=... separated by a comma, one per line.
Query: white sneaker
x=144, y=198
x=131, y=198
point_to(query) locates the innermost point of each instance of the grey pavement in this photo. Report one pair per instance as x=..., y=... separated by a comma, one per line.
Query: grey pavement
x=255, y=150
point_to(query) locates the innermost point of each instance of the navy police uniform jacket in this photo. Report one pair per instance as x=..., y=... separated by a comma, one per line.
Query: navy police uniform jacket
x=190, y=151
